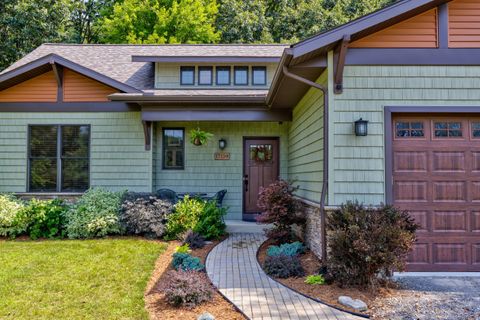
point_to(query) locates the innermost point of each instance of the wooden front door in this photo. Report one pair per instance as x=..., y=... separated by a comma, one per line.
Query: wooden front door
x=260, y=168
x=436, y=177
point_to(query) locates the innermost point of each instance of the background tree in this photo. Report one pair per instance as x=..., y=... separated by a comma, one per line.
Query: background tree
x=161, y=21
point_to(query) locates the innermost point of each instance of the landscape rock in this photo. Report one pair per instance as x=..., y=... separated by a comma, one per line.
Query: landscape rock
x=206, y=316
x=355, y=304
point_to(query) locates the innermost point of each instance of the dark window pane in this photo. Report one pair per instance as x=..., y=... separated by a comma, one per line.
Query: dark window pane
x=75, y=141
x=74, y=175
x=416, y=125
x=241, y=75
x=476, y=125
x=403, y=125
x=441, y=133
x=417, y=133
x=476, y=133
x=205, y=75
x=173, y=149
x=403, y=133
x=455, y=125
x=455, y=133
x=441, y=125
x=43, y=141
x=223, y=75
x=259, y=75
x=187, y=75
x=43, y=175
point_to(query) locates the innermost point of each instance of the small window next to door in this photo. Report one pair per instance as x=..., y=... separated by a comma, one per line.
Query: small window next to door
x=173, y=148
x=444, y=129
x=405, y=129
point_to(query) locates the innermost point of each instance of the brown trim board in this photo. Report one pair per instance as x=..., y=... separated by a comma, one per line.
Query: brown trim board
x=68, y=107
x=388, y=111
x=214, y=115
x=203, y=59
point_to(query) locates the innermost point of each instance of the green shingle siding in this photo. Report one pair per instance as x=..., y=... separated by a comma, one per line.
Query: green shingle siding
x=358, y=162
x=305, y=158
x=204, y=174
x=118, y=159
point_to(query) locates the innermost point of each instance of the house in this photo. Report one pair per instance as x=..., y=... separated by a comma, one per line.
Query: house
x=385, y=109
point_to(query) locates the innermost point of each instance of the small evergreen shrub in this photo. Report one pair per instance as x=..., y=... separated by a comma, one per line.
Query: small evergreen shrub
x=315, y=279
x=283, y=266
x=96, y=214
x=210, y=222
x=46, y=218
x=367, y=242
x=185, y=248
x=279, y=208
x=145, y=214
x=187, y=289
x=186, y=216
x=286, y=249
x=13, y=220
x=194, y=239
x=186, y=262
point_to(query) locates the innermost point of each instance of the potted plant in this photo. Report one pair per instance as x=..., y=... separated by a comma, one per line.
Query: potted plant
x=199, y=137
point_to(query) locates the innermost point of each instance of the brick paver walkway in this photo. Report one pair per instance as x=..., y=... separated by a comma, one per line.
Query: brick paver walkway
x=233, y=268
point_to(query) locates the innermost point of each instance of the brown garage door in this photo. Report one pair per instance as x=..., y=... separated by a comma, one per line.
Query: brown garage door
x=436, y=177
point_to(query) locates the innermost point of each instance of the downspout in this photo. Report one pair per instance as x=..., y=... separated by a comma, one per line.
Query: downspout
x=323, y=196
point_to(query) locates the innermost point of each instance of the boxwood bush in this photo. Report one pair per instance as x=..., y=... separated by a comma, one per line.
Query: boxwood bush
x=365, y=243
x=95, y=214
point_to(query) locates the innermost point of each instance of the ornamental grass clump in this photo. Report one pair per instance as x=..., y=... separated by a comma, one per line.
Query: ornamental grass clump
x=280, y=208
x=13, y=220
x=187, y=289
x=144, y=214
x=367, y=243
x=96, y=214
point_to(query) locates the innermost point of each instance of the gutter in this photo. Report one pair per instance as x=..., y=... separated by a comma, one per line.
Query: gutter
x=324, y=89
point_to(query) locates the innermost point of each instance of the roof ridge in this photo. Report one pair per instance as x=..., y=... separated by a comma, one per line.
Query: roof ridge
x=168, y=44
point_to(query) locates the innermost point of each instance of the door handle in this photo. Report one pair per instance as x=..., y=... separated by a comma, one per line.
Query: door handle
x=245, y=182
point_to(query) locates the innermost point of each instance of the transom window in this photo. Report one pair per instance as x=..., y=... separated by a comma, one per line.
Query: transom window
x=174, y=148
x=448, y=129
x=205, y=75
x=405, y=129
x=240, y=76
x=476, y=130
x=187, y=75
x=259, y=76
x=58, y=158
x=223, y=76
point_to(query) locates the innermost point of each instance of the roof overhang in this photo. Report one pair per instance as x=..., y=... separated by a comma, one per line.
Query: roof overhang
x=45, y=64
x=155, y=113
x=205, y=59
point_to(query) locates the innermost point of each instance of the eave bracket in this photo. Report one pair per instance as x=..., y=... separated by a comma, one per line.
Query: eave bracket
x=147, y=131
x=343, y=48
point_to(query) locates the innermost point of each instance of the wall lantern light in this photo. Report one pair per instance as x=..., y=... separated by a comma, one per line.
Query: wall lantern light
x=222, y=144
x=361, y=127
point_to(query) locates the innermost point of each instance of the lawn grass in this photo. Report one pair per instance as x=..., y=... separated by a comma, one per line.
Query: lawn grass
x=74, y=279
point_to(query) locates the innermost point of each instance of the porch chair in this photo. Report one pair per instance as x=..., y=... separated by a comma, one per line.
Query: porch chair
x=167, y=194
x=218, y=197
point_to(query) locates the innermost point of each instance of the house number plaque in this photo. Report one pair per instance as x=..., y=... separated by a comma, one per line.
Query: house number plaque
x=222, y=156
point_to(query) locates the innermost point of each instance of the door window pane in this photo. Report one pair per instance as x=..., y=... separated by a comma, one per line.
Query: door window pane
x=241, y=76
x=187, y=75
x=259, y=75
x=173, y=148
x=261, y=152
x=205, y=75
x=223, y=75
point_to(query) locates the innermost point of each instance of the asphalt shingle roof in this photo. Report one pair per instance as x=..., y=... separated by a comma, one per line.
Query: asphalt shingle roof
x=115, y=61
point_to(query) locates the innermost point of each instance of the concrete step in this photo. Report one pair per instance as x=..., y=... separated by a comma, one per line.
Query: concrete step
x=239, y=226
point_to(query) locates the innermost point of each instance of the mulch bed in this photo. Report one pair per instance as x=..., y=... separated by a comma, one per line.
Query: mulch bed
x=326, y=293
x=155, y=302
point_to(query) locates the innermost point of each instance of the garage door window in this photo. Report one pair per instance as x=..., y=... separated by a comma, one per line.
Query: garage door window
x=448, y=130
x=476, y=130
x=409, y=129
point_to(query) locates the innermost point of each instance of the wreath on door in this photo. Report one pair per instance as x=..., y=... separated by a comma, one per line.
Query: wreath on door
x=261, y=153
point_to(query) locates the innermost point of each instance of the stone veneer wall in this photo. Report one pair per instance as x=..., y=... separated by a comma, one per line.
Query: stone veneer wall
x=311, y=234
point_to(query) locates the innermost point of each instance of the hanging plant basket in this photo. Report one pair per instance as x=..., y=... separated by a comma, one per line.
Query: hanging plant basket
x=199, y=137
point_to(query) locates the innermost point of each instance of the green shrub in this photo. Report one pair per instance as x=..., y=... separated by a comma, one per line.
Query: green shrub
x=187, y=289
x=186, y=216
x=286, y=249
x=96, y=214
x=367, y=242
x=315, y=279
x=46, y=217
x=185, y=248
x=283, y=266
x=13, y=220
x=210, y=223
x=186, y=262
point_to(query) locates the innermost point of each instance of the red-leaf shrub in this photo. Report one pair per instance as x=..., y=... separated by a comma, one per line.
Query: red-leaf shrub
x=187, y=289
x=365, y=243
x=279, y=208
x=283, y=266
